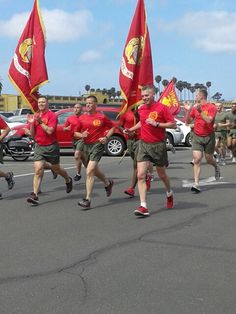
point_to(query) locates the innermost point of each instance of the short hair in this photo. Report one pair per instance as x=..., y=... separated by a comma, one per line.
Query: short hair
x=92, y=97
x=42, y=96
x=204, y=92
x=149, y=87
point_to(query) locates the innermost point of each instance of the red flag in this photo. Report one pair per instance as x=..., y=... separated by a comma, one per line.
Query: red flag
x=28, y=69
x=170, y=99
x=136, y=66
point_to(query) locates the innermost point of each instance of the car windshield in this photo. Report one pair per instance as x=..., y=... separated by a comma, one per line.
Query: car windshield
x=63, y=116
x=5, y=118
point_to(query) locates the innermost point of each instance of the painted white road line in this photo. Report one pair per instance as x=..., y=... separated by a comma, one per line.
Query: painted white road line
x=208, y=181
x=32, y=173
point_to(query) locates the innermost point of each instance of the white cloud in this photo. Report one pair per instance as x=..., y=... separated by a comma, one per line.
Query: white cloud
x=60, y=26
x=90, y=55
x=210, y=31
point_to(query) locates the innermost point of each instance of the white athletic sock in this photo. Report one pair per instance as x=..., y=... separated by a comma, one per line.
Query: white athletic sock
x=170, y=193
x=144, y=204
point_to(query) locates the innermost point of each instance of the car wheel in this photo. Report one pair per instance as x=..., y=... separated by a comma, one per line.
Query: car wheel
x=169, y=140
x=19, y=158
x=115, y=146
x=188, y=140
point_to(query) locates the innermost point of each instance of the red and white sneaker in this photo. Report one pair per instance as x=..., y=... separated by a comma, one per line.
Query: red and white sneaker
x=148, y=182
x=170, y=201
x=130, y=191
x=141, y=212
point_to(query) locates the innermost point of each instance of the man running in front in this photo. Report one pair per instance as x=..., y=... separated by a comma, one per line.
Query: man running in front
x=43, y=129
x=154, y=119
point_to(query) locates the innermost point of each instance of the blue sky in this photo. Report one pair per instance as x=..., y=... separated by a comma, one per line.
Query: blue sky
x=193, y=40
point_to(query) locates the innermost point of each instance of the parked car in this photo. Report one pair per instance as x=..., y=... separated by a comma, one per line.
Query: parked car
x=116, y=145
x=21, y=111
x=9, y=122
x=186, y=131
x=7, y=113
x=21, y=118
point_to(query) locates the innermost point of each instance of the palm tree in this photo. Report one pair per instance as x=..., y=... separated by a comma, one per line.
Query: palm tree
x=179, y=86
x=208, y=85
x=158, y=80
x=87, y=87
x=165, y=83
x=192, y=90
x=174, y=79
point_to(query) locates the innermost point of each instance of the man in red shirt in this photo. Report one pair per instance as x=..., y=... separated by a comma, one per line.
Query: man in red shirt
x=43, y=129
x=70, y=126
x=203, y=140
x=93, y=126
x=9, y=177
x=154, y=119
x=128, y=120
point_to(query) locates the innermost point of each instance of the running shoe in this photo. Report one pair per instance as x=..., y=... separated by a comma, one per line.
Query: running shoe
x=33, y=199
x=77, y=177
x=130, y=191
x=84, y=203
x=170, y=201
x=141, y=212
x=148, y=182
x=0, y=196
x=222, y=162
x=195, y=188
x=69, y=186
x=217, y=173
x=173, y=149
x=109, y=188
x=10, y=180
x=54, y=174
x=152, y=177
x=234, y=160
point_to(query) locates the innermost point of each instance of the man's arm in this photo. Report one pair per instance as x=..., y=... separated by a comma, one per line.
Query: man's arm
x=4, y=133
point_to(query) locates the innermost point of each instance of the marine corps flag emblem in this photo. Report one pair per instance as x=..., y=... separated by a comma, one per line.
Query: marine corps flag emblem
x=28, y=68
x=170, y=99
x=136, y=66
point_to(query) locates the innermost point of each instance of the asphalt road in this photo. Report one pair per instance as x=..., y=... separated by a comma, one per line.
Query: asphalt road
x=56, y=258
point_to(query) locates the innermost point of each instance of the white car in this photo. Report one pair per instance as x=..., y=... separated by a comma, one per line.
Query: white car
x=174, y=137
x=9, y=122
x=186, y=131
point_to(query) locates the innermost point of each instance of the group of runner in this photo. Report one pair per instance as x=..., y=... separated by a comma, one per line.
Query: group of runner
x=144, y=128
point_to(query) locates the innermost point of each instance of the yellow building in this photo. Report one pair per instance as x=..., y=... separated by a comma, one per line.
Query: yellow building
x=9, y=102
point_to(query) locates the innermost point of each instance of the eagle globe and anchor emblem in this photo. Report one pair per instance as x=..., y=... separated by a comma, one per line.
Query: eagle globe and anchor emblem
x=134, y=50
x=133, y=55
x=25, y=50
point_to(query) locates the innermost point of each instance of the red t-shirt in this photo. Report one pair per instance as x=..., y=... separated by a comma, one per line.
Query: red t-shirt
x=127, y=121
x=96, y=124
x=201, y=127
x=159, y=113
x=49, y=118
x=3, y=124
x=73, y=121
